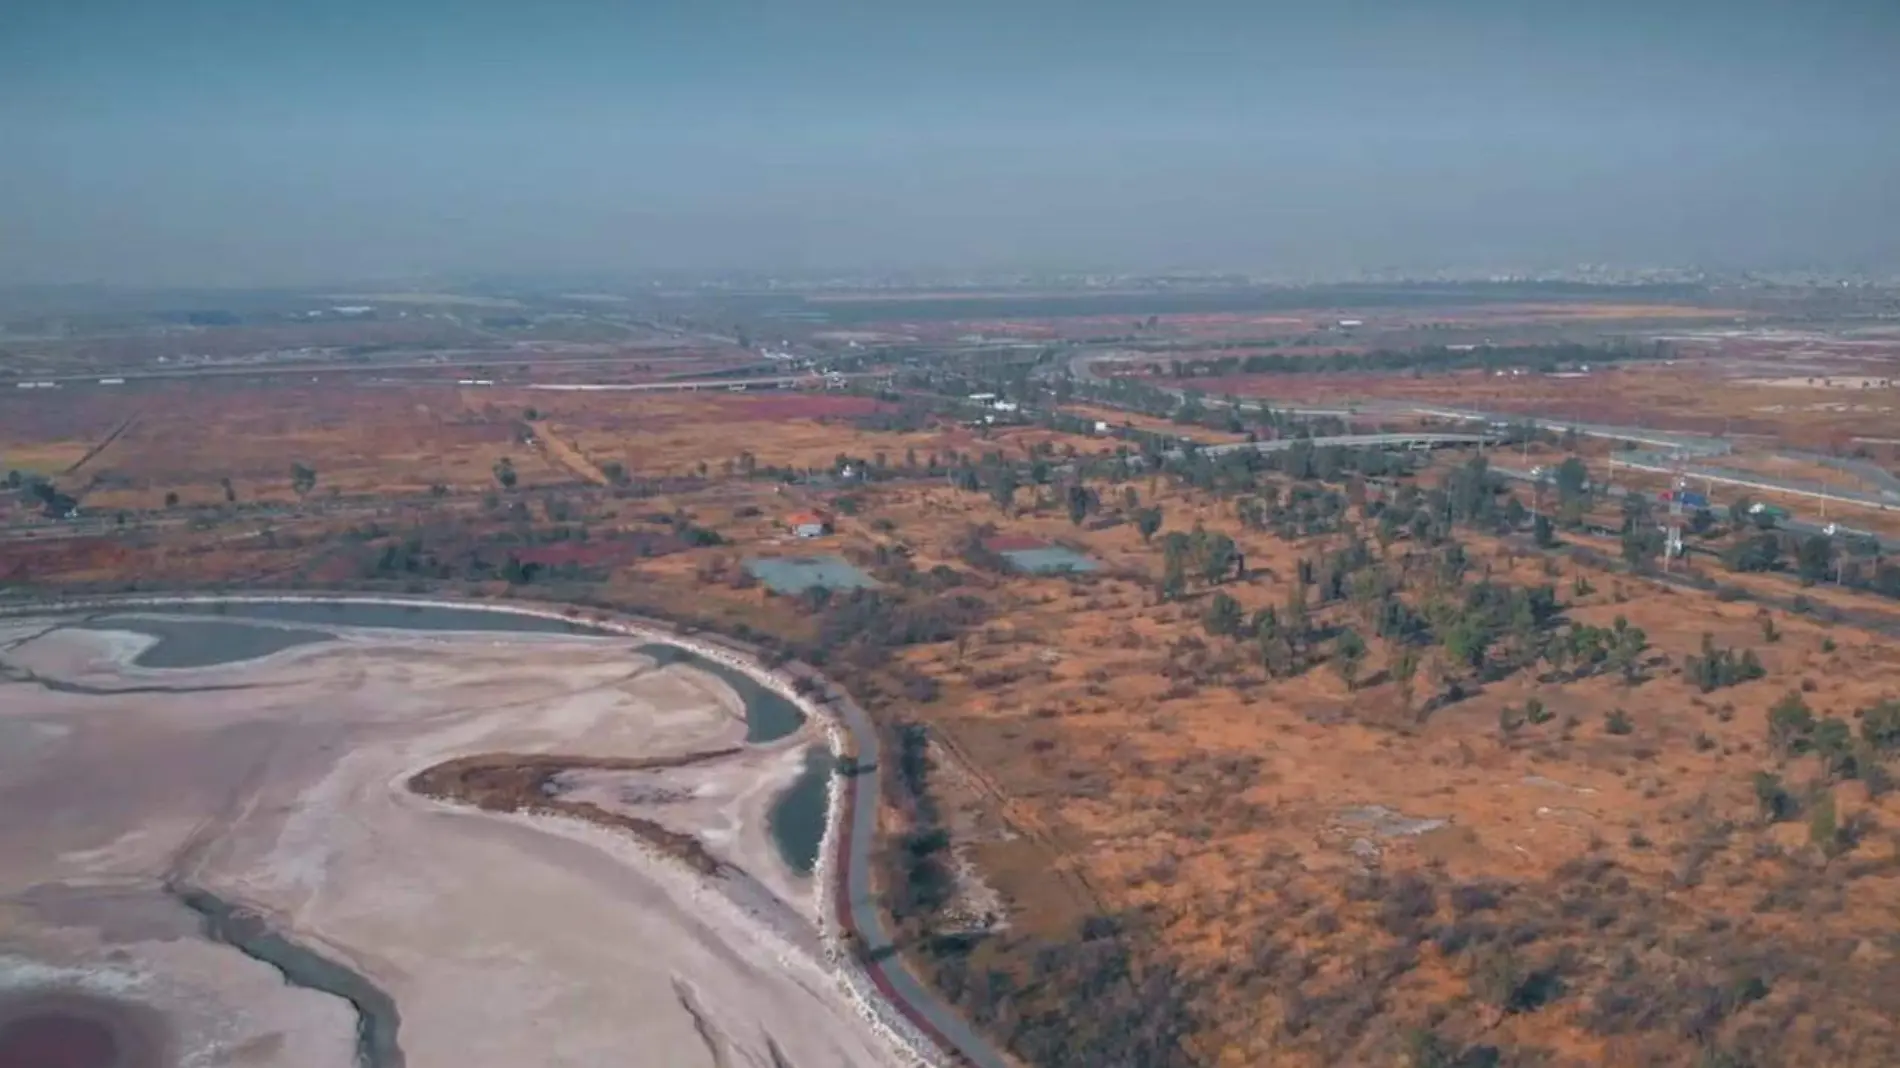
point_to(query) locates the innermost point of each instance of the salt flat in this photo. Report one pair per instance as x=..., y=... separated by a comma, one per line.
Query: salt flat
x=279, y=785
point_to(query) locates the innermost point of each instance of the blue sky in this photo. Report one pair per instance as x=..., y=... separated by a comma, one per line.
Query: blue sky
x=193, y=142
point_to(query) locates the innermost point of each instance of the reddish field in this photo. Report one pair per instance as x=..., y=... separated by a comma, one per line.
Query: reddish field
x=596, y=554
x=777, y=406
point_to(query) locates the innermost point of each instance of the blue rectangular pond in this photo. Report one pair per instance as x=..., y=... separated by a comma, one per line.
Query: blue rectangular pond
x=1050, y=560
x=796, y=574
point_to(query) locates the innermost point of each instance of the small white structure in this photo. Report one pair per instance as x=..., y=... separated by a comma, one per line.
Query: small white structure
x=808, y=525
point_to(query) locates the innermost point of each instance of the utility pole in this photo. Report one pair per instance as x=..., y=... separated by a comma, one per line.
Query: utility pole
x=1672, y=542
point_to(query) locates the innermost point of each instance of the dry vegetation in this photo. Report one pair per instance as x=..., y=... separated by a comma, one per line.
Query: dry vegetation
x=1192, y=846
x=510, y=782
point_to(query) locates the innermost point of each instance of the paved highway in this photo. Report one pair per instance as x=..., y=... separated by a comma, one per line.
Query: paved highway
x=1883, y=499
x=1352, y=441
x=1695, y=444
x=1696, y=448
x=860, y=912
x=1791, y=524
x=736, y=385
x=1082, y=365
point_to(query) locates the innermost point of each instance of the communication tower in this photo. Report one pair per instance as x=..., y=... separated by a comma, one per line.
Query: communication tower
x=1672, y=528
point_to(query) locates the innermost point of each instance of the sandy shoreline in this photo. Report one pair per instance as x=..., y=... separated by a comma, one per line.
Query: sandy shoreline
x=782, y=924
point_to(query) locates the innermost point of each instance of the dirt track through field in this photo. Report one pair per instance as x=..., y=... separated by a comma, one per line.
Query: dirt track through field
x=568, y=456
x=93, y=453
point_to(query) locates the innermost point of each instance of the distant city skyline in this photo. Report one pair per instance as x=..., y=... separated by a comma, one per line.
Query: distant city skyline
x=210, y=142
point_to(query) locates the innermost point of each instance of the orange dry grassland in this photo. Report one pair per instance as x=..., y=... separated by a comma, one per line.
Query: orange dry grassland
x=1590, y=897
x=1115, y=838
x=188, y=439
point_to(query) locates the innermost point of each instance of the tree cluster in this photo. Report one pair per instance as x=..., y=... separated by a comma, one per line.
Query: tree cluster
x=1714, y=668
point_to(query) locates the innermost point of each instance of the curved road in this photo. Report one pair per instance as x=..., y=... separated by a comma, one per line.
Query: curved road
x=857, y=903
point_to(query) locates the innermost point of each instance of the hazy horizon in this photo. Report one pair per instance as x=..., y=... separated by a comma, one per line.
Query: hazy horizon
x=217, y=143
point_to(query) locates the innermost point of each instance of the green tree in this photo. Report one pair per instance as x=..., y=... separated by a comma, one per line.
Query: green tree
x=1627, y=645
x=1814, y=560
x=1081, y=502
x=1467, y=640
x=1174, y=562
x=303, y=479
x=1223, y=616
x=1773, y=799
x=1349, y=655
x=1754, y=552
x=1296, y=619
x=1497, y=979
x=1825, y=832
x=1642, y=543
x=1572, y=477
x=1148, y=522
x=1790, y=725
x=1426, y=1049
x=1405, y=673
x=1556, y=653
x=1880, y=726
x=1218, y=555
x=505, y=473
x=1003, y=489
x=1833, y=742
x=1544, y=532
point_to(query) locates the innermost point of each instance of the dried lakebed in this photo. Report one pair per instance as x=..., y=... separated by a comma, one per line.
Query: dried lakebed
x=194, y=810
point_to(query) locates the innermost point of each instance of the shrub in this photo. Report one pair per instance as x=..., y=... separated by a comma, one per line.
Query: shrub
x=1790, y=725
x=1833, y=741
x=1714, y=668
x=1774, y=801
x=1825, y=831
x=1409, y=905
x=1618, y=722
x=1880, y=726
